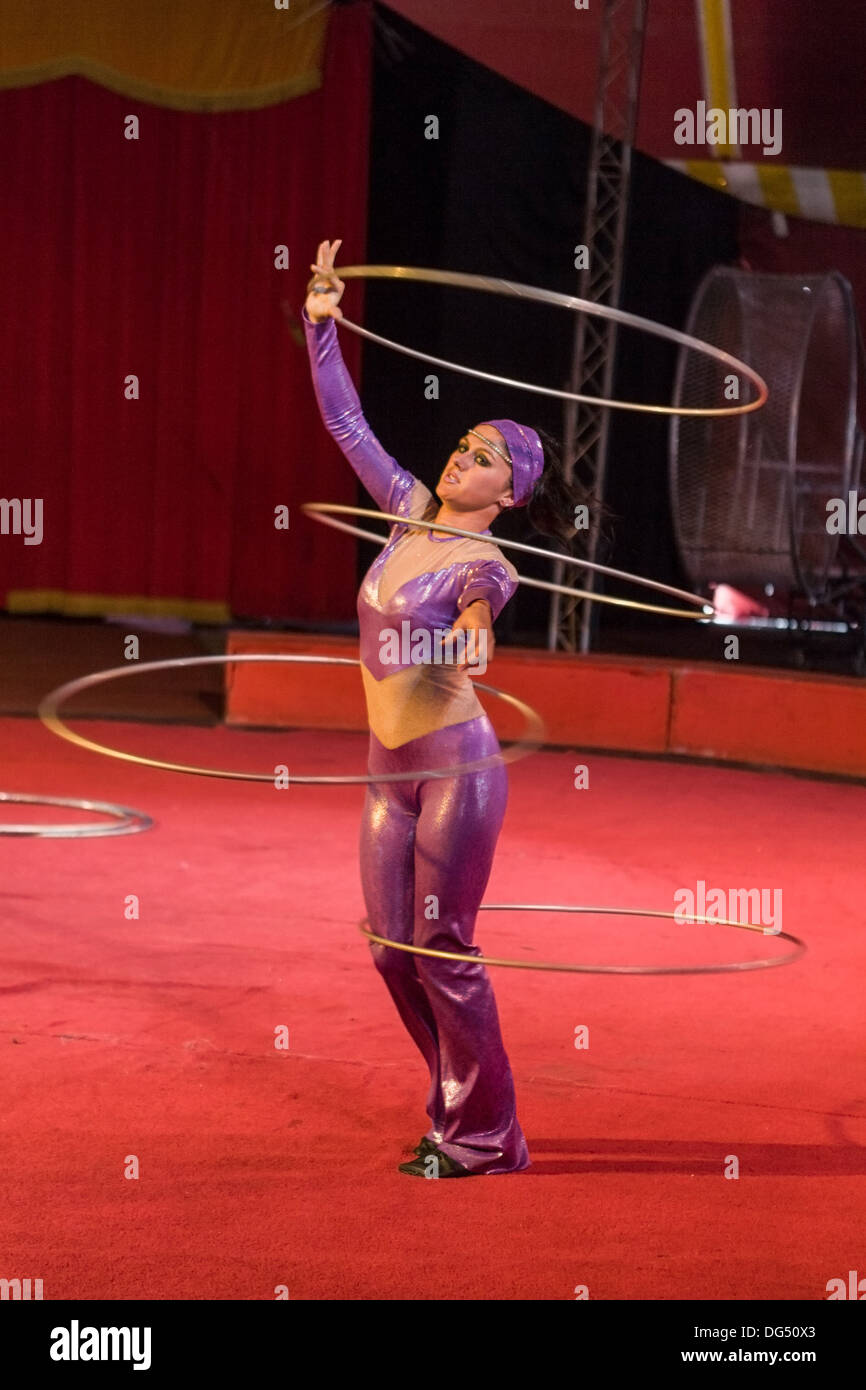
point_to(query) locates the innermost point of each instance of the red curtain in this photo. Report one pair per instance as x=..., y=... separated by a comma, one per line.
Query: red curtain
x=155, y=258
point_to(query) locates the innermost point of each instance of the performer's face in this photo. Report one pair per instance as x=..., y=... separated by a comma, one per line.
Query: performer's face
x=475, y=477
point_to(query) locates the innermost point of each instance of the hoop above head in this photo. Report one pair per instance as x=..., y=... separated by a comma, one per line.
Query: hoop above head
x=126, y=821
x=530, y=741
x=563, y=301
x=761, y=963
x=319, y=510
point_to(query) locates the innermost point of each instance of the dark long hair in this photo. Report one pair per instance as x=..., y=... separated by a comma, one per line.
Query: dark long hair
x=567, y=510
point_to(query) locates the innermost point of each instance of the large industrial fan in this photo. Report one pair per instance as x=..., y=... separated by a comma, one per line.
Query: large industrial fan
x=750, y=493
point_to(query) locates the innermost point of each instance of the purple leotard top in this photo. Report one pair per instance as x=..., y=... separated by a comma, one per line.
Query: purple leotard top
x=419, y=584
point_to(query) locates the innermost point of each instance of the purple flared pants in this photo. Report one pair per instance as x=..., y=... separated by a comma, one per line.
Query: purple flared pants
x=426, y=853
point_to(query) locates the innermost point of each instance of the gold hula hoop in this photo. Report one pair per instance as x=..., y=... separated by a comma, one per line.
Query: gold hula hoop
x=531, y=740
x=761, y=963
x=563, y=301
x=318, y=511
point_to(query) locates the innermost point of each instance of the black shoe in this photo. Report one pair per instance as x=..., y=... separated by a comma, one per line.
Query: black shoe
x=426, y=1146
x=447, y=1167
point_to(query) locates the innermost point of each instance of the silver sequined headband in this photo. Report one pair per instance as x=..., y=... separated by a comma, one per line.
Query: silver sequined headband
x=490, y=445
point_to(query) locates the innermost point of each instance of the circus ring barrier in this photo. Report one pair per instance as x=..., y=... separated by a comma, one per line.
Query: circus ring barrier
x=705, y=710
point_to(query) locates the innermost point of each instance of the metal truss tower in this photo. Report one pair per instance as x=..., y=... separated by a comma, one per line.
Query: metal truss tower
x=585, y=427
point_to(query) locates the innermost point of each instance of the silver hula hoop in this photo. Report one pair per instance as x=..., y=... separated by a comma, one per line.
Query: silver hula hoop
x=727, y=967
x=319, y=510
x=128, y=822
x=563, y=301
x=532, y=738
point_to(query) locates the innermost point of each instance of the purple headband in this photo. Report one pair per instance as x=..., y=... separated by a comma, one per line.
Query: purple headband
x=527, y=457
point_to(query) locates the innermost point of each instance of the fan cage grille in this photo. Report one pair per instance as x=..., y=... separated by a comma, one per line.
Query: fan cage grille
x=749, y=493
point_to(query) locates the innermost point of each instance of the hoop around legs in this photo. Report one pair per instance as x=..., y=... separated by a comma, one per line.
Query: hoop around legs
x=763, y=963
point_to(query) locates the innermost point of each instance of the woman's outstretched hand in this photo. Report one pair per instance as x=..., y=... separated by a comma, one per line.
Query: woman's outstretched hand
x=476, y=623
x=325, y=305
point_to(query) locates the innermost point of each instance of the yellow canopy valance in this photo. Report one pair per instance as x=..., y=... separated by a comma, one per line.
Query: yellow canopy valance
x=193, y=55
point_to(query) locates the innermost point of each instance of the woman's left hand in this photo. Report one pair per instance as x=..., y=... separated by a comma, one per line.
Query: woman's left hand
x=476, y=621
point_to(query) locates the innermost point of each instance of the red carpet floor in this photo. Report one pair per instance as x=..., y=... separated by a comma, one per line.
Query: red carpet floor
x=260, y=1168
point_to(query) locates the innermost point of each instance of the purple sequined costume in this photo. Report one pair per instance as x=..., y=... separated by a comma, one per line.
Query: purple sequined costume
x=427, y=847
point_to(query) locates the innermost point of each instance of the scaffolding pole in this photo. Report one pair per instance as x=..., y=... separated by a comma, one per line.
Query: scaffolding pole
x=585, y=427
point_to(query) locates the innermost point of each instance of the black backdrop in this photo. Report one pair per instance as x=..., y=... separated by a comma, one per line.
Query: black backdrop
x=501, y=192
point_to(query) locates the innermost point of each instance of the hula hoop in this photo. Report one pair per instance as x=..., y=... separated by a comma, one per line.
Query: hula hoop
x=319, y=510
x=531, y=740
x=129, y=822
x=762, y=963
x=564, y=301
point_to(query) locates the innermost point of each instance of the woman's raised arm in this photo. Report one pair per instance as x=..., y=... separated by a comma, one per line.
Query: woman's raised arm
x=339, y=403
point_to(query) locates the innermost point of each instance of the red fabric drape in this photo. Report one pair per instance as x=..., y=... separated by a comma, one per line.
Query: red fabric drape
x=155, y=257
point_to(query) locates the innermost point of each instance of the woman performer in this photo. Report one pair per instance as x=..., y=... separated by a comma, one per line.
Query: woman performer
x=427, y=847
